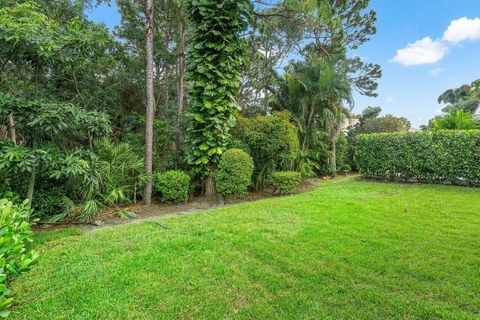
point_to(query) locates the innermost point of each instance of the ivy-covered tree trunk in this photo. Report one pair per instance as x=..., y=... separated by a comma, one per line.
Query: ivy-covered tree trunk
x=150, y=106
x=215, y=58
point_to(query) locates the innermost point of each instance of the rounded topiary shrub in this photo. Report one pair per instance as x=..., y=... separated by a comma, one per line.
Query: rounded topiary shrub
x=285, y=182
x=234, y=173
x=173, y=186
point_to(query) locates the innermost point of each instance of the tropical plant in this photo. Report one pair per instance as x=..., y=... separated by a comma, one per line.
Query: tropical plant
x=114, y=176
x=15, y=259
x=234, y=173
x=465, y=98
x=215, y=57
x=458, y=120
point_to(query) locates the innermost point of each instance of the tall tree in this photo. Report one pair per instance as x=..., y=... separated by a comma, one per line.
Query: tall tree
x=150, y=104
x=215, y=58
x=465, y=98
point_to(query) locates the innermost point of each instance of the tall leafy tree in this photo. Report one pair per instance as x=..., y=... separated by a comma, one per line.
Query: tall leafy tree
x=215, y=58
x=465, y=98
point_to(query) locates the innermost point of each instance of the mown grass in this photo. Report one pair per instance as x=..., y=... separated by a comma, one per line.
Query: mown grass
x=348, y=250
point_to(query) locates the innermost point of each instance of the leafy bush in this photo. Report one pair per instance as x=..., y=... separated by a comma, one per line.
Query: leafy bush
x=234, y=173
x=272, y=141
x=15, y=233
x=172, y=185
x=113, y=177
x=285, y=182
x=434, y=157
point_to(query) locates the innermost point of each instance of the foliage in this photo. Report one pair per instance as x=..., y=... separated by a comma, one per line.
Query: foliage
x=162, y=137
x=215, y=57
x=113, y=177
x=173, y=186
x=312, y=91
x=48, y=139
x=285, y=182
x=15, y=259
x=384, y=124
x=465, y=98
x=272, y=142
x=435, y=157
x=459, y=120
x=234, y=173
x=371, y=122
x=55, y=58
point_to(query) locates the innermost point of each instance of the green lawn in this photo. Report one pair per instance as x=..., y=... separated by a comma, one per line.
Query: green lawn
x=348, y=250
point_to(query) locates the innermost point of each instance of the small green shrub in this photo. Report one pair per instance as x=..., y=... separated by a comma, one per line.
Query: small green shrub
x=431, y=156
x=15, y=233
x=234, y=173
x=173, y=186
x=285, y=182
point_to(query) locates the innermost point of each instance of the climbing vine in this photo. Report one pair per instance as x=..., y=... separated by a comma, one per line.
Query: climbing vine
x=214, y=64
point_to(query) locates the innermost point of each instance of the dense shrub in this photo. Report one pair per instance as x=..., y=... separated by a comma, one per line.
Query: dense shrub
x=234, y=173
x=173, y=186
x=15, y=233
x=435, y=157
x=285, y=182
x=272, y=141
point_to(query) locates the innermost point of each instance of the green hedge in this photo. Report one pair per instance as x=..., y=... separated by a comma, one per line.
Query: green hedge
x=286, y=181
x=433, y=157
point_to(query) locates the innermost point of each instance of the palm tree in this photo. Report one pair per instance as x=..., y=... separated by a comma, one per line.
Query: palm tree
x=310, y=87
x=315, y=91
x=459, y=120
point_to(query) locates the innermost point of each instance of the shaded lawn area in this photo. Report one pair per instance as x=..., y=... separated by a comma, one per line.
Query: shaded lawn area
x=348, y=250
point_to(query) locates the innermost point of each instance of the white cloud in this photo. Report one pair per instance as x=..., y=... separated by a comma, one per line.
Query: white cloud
x=463, y=29
x=425, y=51
x=435, y=72
x=390, y=100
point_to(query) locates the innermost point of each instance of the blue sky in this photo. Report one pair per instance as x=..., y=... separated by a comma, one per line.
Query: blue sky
x=414, y=78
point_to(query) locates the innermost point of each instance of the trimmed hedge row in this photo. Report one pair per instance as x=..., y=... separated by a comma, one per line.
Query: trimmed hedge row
x=451, y=157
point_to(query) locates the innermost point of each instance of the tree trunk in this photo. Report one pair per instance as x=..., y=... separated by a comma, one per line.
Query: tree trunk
x=31, y=185
x=180, y=90
x=150, y=106
x=209, y=184
x=13, y=131
x=334, y=157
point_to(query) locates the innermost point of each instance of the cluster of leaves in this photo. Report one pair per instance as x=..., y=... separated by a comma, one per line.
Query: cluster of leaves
x=173, y=186
x=458, y=120
x=272, y=141
x=431, y=156
x=465, y=98
x=215, y=58
x=113, y=176
x=234, y=173
x=370, y=121
x=15, y=233
x=285, y=182
x=63, y=124
x=56, y=57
